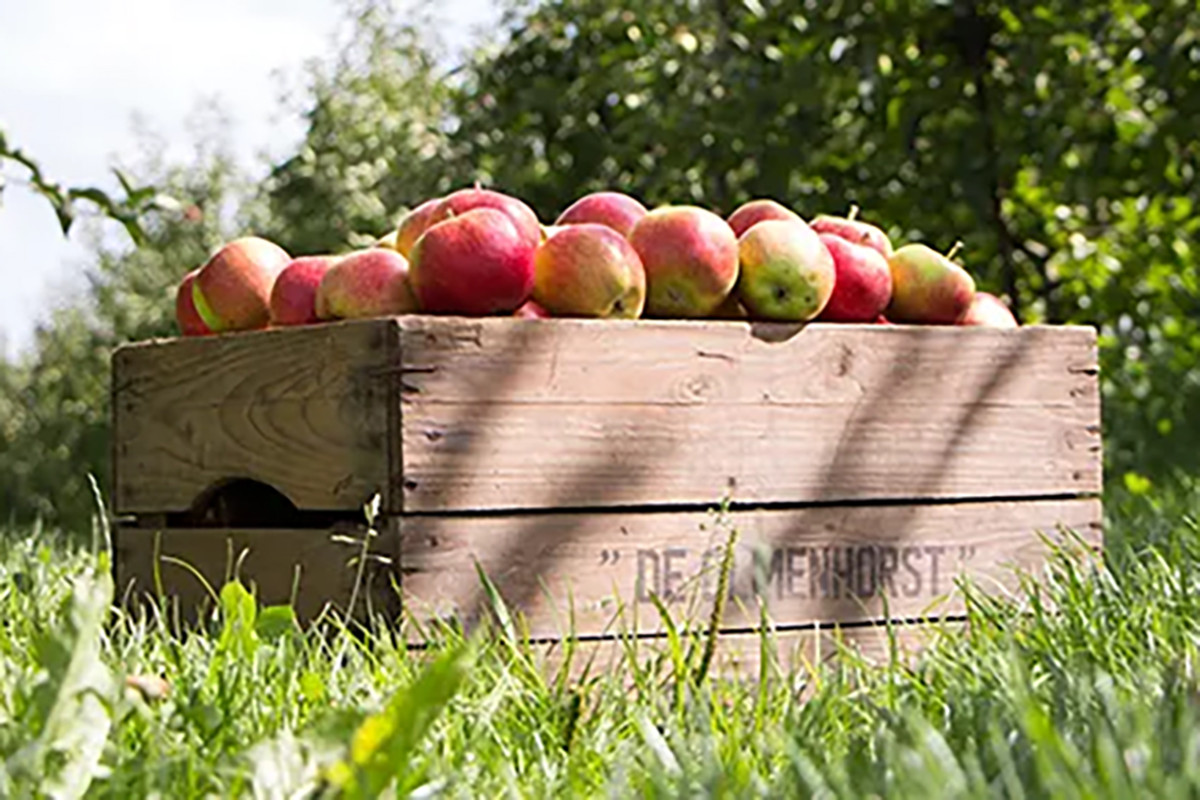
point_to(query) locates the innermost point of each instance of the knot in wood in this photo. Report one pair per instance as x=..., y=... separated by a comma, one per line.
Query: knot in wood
x=699, y=387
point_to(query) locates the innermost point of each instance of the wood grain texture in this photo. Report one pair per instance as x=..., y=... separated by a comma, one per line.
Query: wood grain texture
x=304, y=410
x=827, y=564
x=535, y=414
x=790, y=653
x=320, y=566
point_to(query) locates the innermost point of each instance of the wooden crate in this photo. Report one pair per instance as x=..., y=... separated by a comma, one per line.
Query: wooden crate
x=579, y=462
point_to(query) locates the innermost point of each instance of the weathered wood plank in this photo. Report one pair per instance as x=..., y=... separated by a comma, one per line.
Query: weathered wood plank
x=320, y=566
x=822, y=564
x=304, y=410
x=739, y=656
x=503, y=414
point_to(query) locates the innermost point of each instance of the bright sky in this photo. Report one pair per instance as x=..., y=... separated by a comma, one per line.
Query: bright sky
x=73, y=73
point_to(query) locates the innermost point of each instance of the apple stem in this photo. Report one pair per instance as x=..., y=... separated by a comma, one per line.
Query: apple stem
x=954, y=250
x=853, y=212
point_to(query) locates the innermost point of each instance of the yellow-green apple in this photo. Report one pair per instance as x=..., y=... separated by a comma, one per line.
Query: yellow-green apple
x=371, y=282
x=754, y=211
x=190, y=323
x=787, y=273
x=413, y=224
x=854, y=230
x=690, y=256
x=928, y=287
x=988, y=311
x=294, y=295
x=388, y=240
x=550, y=230
x=464, y=200
x=477, y=262
x=531, y=310
x=232, y=290
x=589, y=270
x=616, y=210
x=864, y=282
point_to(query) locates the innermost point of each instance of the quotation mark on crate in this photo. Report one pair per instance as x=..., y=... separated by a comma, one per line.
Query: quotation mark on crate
x=966, y=552
x=609, y=557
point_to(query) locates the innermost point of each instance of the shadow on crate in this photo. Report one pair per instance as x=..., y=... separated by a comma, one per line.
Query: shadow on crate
x=533, y=542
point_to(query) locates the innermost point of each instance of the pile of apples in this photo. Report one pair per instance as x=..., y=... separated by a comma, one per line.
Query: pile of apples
x=480, y=252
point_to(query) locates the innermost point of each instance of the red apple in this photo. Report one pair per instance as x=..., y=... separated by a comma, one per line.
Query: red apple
x=413, y=224
x=750, y=213
x=589, y=270
x=531, y=310
x=190, y=323
x=988, y=311
x=690, y=256
x=365, y=283
x=477, y=262
x=614, y=209
x=464, y=200
x=294, y=295
x=864, y=282
x=854, y=230
x=232, y=291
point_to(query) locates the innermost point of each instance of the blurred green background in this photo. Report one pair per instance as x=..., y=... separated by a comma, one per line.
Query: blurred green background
x=1055, y=139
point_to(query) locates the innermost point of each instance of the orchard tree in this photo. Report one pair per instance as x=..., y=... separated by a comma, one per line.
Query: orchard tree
x=375, y=142
x=127, y=208
x=1053, y=138
x=54, y=401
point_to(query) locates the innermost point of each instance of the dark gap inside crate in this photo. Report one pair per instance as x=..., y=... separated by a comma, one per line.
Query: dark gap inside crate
x=247, y=503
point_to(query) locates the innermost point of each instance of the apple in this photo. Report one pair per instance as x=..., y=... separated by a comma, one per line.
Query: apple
x=190, y=323
x=294, y=295
x=988, y=311
x=690, y=256
x=232, y=290
x=614, y=209
x=371, y=282
x=928, y=287
x=459, y=202
x=531, y=310
x=388, y=240
x=589, y=270
x=854, y=230
x=787, y=273
x=477, y=262
x=864, y=282
x=754, y=211
x=413, y=224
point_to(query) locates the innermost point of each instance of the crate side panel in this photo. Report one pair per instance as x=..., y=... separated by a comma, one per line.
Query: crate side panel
x=739, y=656
x=501, y=414
x=319, y=565
x=302, y=409
x=821, y=564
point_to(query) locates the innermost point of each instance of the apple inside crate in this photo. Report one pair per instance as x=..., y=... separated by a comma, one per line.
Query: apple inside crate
x=594, y=468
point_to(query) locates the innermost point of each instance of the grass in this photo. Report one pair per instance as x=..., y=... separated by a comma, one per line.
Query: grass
x=1097, y=698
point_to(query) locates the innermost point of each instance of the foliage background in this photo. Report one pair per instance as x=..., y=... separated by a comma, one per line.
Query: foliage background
x=1053, y=138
